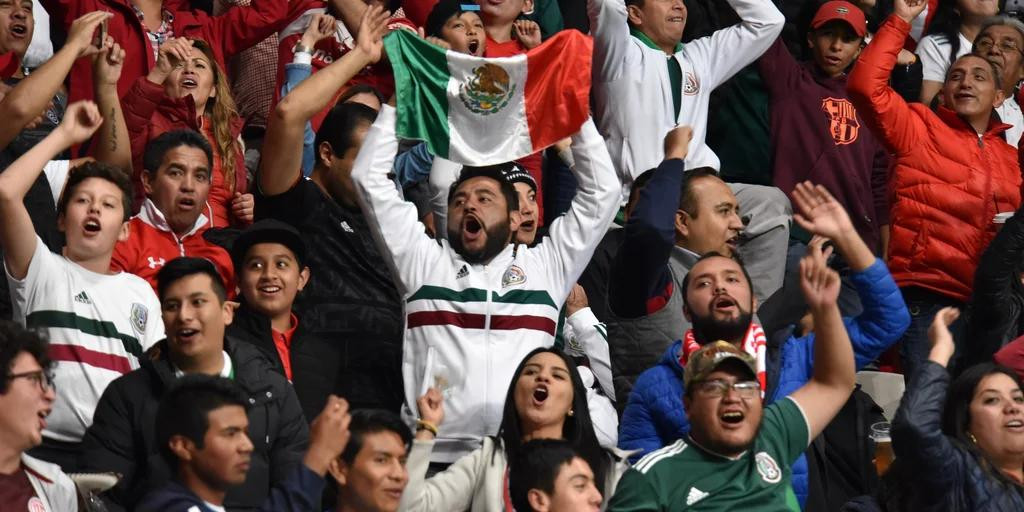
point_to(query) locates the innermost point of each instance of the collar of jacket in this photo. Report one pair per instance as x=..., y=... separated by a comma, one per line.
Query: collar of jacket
x=256, y=326
x=650, y=44
x=954, y=120
x=152, y=216
x=248, y=362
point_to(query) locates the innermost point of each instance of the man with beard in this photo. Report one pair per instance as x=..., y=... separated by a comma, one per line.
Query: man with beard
x=739, y=454
x=476, y=302
x=654, y=416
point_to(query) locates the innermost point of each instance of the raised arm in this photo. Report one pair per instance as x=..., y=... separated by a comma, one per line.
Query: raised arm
x=614, y=48
x=639, y=274
x=885, y=316
x=731, y=49
x=17, y=236
x=917, y=428
x=111, y=144
x=884, y=110
x=30, y=97
x=574, y=236
x=833, y=379
x=242, y=27
x=281, y=165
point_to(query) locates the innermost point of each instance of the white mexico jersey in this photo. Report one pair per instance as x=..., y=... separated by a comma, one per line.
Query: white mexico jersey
x=98, y=326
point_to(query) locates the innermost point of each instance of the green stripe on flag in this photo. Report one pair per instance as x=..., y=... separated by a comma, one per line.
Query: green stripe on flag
x=536, y=297
x=421, y=85
x=66, y=320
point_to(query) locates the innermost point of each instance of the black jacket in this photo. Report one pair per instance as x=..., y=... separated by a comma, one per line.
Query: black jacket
x=314, y=362
x=996, y=304
x=122, y=438
x=299, y=492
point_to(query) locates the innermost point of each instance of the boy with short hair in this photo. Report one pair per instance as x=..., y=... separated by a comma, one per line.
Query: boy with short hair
x=550, y=476
x=371, y=473
x=816, y=131
x=100, y=322
x=457, y=24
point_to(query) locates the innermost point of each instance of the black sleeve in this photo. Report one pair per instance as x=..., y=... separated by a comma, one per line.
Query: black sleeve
x=292, y=206
x=906, y=81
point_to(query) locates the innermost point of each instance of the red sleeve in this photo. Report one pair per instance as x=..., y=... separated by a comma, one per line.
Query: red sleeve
x=778, y=68
x=885, y=111
x=139, y=105
x=241, y=27
x=1012, y=356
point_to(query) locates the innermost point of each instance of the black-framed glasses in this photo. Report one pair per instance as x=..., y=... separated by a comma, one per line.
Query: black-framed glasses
x=985, y=44
x=718, y=388
x=41, y=378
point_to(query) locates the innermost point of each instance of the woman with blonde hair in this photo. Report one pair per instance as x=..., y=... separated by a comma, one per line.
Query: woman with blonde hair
x=187, y=88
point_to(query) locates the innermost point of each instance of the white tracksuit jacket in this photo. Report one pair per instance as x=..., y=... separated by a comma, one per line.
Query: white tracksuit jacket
x=469, y=325
x=631, y=88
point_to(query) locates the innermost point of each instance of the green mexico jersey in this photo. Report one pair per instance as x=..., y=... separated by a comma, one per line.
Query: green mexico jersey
x=682, y=476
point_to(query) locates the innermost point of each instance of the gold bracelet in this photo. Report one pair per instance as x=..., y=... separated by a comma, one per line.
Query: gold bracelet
x=426, y=425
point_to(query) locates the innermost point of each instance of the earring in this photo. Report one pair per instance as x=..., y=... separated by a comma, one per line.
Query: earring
x=973, y=439
x=571, y=412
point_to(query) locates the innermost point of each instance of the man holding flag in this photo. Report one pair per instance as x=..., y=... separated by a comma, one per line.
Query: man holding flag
x=476, y=304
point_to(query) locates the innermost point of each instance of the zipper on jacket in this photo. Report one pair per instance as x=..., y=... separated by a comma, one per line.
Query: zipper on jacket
x=487, y=340
x=980, y=144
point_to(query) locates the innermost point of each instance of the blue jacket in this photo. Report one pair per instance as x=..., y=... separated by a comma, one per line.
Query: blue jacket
x=654, y=416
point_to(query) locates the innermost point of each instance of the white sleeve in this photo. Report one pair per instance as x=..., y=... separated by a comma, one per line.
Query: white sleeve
x=451, y=489
x=574, y=236
x=56, y=172
x=614, y=47
x=592, y=337
x=155, y=323
x=394, y=222
x=604, y=418
x=722, y=54
x=44, y=268
x=443, y=173
x=934, y=56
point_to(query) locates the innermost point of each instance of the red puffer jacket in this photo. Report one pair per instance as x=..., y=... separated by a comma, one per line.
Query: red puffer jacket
x=947, y=182
x=148, y=112
x=228, y=34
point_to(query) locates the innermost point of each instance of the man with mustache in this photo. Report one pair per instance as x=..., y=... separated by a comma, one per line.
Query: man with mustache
x=475, y=302
x=1001, y=42
x=719, y=303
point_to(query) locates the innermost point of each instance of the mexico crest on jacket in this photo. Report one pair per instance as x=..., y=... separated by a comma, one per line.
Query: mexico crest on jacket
x=488, y=90
x=513, y=276
x=139, y=317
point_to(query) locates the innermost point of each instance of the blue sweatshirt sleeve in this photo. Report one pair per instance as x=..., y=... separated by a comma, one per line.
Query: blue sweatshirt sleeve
x=884, y=317
x=294, y=74
x=413, y=166
x=640, y=270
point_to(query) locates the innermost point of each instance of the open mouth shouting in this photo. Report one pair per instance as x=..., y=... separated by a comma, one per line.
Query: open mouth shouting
x=186, y=203
x=474, y=46
x=187, y=335
x=472, y=228
x=189, y=83
x=732, y=418
x=92, y=226
x=724, y=304
x=540, y=395
x=19, y=30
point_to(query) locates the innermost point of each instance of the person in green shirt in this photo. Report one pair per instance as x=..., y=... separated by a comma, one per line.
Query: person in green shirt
x=738, y=454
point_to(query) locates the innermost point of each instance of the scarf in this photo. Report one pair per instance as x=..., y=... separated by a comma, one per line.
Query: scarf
x=754, y=343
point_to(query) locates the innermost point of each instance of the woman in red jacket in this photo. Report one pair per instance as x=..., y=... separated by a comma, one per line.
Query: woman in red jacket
x=188, y=89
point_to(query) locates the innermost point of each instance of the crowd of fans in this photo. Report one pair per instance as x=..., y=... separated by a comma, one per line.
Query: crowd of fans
x=231, y=285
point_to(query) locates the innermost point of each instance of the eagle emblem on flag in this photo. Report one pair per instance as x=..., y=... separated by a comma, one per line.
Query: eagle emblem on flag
x=488, y=90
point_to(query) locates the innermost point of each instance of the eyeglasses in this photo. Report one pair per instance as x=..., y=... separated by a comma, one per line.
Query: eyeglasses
x=985, y=44
x=718, y=388
x=41, y=378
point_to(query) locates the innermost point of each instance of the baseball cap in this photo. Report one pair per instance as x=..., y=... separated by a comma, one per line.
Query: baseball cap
x=515, y=173
x=268, y=231
x=706, y=360
x=443, y=11
x=844, y=11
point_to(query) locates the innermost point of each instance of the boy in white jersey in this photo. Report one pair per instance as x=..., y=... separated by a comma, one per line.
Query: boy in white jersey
x=98, y=323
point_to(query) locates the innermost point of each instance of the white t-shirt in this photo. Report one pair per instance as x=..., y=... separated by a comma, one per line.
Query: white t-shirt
x=934, y=52
x=1009, y=112
x=98, y=326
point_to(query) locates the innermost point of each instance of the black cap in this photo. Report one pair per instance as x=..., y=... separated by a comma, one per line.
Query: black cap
x=268, y=231
x=516, y=173
x=443, y=11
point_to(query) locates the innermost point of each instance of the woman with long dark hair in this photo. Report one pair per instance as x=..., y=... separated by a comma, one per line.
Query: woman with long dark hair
x=546, y=400
x=950, y=36
x=958, y=447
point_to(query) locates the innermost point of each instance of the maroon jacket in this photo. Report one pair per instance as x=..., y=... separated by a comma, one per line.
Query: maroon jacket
x=818, y=135
x=148, y=112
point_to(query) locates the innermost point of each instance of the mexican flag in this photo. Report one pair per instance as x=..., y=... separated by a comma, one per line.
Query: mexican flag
x=478, y=111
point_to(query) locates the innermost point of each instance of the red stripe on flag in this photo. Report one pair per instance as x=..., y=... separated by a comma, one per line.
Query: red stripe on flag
x=557, y=91
x=76, y=354
x=476, y=321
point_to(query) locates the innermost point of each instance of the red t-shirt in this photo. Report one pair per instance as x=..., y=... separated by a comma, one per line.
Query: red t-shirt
x=17, y=494
x=283, y=344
